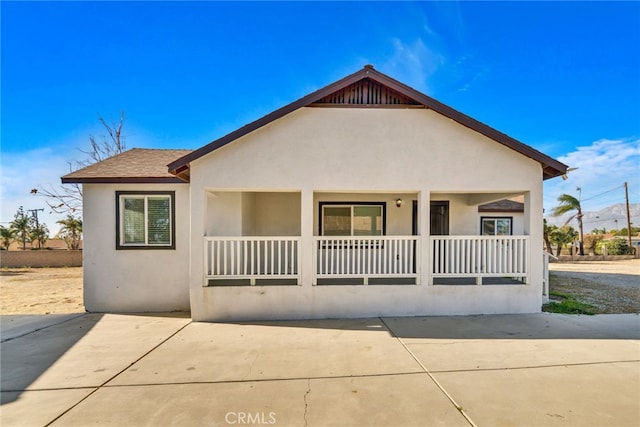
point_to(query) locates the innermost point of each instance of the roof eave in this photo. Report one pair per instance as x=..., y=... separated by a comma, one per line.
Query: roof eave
x=181, y=163
x=122, y=180
x=551, y=167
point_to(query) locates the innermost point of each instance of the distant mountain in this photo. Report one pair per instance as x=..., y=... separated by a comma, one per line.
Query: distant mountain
x=604, y=218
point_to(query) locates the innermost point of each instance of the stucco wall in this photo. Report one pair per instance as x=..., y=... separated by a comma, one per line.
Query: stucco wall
x=133, y=280
x=41, y=258
x=222, y=214
x=398, y=219
x=234, y=213
x=300, y=302
x=333, y=149
x=276, y=214
x=407, y=152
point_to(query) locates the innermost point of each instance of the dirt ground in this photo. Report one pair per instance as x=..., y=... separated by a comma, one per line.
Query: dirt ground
x=612, y=286
x=41, y=290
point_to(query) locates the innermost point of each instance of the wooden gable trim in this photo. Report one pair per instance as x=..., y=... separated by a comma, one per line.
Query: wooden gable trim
x=366, y=92
x=551, y=167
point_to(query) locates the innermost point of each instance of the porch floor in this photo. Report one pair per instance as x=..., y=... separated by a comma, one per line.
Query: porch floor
x=472, y=281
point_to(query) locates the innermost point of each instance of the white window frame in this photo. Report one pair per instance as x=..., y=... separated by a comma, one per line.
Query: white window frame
x=121, y=196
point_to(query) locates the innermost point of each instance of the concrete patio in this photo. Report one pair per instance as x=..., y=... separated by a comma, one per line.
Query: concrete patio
x=155, y=370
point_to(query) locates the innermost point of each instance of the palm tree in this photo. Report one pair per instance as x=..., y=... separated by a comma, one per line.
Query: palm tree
x=39, y=234
x=563, y=236
x=6, y=236
x=567, y=204
x=547, y=230
x=21, y=225
x=71, y=231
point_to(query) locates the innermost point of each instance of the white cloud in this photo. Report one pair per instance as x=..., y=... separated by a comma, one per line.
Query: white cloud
x=602, y=166
x=20, y=172
x=414, y=63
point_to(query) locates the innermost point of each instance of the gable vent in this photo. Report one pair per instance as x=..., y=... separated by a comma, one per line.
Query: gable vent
x=366, y=92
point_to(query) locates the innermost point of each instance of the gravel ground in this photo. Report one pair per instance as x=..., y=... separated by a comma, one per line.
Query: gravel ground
x=611, y=286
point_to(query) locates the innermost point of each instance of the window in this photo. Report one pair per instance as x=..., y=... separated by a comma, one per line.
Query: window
x=145, y=220
x=352, y=219
x=496, y=226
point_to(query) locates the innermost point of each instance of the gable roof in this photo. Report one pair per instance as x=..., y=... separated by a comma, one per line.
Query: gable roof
x=138, y=165
x=396, y=94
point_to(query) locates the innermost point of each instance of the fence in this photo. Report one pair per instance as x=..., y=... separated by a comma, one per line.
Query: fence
x=40, y=258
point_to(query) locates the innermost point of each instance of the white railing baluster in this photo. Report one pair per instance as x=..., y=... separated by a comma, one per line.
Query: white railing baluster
x=279, y=257
x=480, y=256
x=252, y=257
x=211, y=260
x=366, y=257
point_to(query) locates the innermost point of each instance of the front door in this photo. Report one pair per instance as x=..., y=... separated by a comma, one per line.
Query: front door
x=439, y=218
x=439, y=225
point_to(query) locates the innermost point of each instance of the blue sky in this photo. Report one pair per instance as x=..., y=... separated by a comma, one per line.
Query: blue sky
x=561, y=77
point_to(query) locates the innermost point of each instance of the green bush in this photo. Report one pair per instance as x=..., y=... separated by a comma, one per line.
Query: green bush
x=591, y=242
x=615, y=246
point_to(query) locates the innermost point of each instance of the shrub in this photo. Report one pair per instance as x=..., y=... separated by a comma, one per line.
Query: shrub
x=591, y=242
x=615, y=246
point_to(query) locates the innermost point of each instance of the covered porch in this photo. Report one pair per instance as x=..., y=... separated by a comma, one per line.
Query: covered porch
x=255, y=238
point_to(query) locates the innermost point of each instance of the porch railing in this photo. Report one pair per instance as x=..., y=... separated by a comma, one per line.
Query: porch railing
x=545, y=275
x=252, y=257
x=480, y=256
x=366, y=257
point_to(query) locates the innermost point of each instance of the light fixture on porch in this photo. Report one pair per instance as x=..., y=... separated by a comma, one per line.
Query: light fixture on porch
x=398, y=202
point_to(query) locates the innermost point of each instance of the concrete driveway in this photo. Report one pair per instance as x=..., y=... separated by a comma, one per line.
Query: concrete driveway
x=155, y=370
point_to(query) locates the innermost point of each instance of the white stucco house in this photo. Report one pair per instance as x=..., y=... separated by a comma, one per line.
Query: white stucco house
x=360, y=199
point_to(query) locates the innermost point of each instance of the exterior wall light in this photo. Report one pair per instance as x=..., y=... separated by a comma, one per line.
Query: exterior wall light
x=398, y=202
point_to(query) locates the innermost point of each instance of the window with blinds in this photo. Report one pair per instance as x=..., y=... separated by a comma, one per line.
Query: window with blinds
x=145, y=220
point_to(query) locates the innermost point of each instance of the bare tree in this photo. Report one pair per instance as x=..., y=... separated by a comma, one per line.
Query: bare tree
x=108, y=147
x=67, y=198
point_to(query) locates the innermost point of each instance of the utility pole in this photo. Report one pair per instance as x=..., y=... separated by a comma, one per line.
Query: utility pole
x=626, y=194
x=580, y=228
x=34, y=212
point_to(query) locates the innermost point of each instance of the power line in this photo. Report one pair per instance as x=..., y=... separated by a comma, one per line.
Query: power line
x=602, y=194
x=549, y=198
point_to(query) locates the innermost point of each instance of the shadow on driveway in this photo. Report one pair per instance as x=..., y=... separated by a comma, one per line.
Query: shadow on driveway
x=84, y=352
x=25, y=358
x=506, y=326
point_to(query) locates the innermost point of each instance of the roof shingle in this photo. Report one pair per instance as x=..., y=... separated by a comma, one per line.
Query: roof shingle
x=137, y=165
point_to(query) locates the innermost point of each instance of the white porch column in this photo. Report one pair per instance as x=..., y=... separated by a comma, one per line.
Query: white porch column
x=198, y=211
x=424, y=223
x=306, y=237
x=533, y=226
